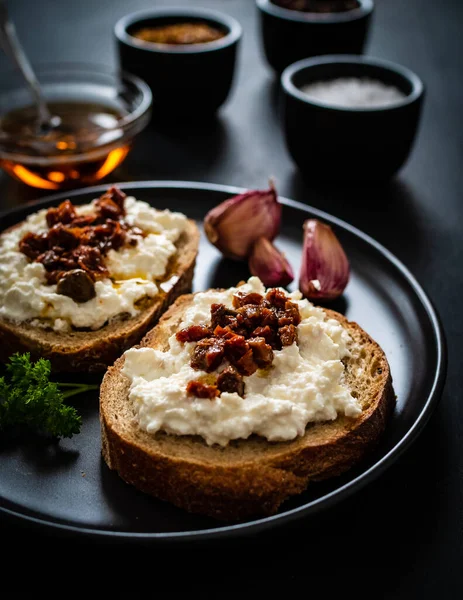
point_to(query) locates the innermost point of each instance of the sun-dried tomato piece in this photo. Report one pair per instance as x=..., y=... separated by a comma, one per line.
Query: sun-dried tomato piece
x=230, y=381
x=246, y=365
x=251, y=314
x=108, y=209
x=118, y=236
x=33, y=244
x=223, y=332
x=240, y=299
x=275, y=297
x=91, y=260
x=55, y=261
x=64, y=213
x=223, y=316
x=53, y=277
x=261, y=352
x=235, y=347
x=84, y=220
x=288, y=335
x=207, y=355
x=202, y=390
x=117, y=196
x=194, y=333
x=268, y=317
x=105, y=236
x=63, y=237
x=264, y=332
x=284, y=320
x=292, y=312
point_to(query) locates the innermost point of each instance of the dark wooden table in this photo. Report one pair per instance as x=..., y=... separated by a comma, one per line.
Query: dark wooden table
x=401, y=536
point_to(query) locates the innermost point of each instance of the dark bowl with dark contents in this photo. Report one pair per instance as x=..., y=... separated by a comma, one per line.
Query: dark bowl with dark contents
x=295, y=29
x=332, y=141
x=186, y=55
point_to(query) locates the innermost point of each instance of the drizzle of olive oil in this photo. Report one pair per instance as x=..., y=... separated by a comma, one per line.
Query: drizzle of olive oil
x=264, y=372
x=208, y=379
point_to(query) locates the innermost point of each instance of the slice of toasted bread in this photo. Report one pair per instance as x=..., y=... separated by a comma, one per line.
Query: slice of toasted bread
x=93, y=351
x=252, y=477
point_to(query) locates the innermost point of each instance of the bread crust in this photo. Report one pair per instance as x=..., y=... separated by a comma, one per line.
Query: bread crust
x=248, y=478
x=93, y=351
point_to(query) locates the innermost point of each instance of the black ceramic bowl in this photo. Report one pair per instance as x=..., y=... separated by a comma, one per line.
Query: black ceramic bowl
x=290, y=35
x=330, y=142
x=188, y=80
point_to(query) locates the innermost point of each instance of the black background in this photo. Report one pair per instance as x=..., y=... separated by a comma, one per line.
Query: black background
x=402, y=536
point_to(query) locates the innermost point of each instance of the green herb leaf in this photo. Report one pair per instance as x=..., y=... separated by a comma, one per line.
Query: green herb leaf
x=29, y=400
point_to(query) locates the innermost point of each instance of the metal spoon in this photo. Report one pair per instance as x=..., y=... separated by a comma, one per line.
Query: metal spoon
x=12, y=46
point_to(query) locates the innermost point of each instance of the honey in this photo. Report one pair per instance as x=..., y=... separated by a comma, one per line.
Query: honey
x=85, y=147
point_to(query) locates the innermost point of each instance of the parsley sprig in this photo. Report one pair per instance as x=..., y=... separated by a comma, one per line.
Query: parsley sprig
x=29, y=400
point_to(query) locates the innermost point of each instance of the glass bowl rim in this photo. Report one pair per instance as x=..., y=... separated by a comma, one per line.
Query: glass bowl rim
x=365, y=8
x=52, y=68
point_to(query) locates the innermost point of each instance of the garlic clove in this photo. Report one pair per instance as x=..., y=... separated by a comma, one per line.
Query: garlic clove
x=325, y=269
x=269, y=264
x=234, y=225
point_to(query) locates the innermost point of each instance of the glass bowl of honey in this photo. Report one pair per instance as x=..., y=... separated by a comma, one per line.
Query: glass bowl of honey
x=100, y=114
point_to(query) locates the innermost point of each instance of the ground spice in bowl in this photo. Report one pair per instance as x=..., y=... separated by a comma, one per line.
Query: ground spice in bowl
x=179, y=34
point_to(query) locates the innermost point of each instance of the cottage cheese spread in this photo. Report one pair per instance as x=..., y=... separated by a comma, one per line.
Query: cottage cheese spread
x=305, y=383
x=25, y=295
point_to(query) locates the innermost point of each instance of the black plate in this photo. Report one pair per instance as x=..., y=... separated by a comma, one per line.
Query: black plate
x=67, y=487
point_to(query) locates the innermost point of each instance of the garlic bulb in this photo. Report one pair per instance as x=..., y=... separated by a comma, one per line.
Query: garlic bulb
x=269, y=264
x=234, y=225
x=325, y=268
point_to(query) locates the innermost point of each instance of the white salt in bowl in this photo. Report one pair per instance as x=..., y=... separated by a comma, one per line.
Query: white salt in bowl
x=350, y=117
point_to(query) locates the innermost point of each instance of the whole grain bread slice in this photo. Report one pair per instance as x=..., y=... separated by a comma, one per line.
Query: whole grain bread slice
x=252, y=477
x=92, y=351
